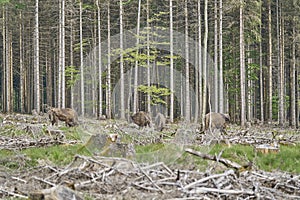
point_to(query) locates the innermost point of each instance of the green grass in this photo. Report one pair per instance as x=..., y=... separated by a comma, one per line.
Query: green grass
x=59, y=155
x=288, y=159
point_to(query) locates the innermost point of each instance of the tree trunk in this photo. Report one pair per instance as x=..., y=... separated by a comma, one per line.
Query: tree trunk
x=36, y=60
x=280, y=66
x=216, y=77
x=204, y=63
x=200, y=60
x=261, y=78
x=270, y=61
x=293, y=80
x=108, y=77
x=148, y=59
x=135, y=93
x=171, y=64
x=121, y=63
x=81, y=60
x=221, y=88
x=99, y=61
x=242, y=67
x=22, y=71
x=187, y=67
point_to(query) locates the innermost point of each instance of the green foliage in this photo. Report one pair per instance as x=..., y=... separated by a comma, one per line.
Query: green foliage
x=288, y=159
x=72, y=74
x=156, y=93
x=4, y=2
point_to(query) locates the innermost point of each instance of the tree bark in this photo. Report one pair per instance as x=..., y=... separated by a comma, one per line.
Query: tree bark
x=171, y=64
x=108, y=77
x=204, y=63
x=81, y=60
x=121, y=63
x=221, y=88
x=242, y=66
x=187, y=67
x=216, y=77
x=36, y=60
x=136, y=71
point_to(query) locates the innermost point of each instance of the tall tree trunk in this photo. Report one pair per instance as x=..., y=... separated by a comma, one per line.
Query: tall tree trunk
x=135, y=85
x=22, y=71
x=270, y=65
x=63, y=85
x=61, y=58
x=171, y=64
x=71, y=60
x=36, y=60
x=200, y=59
x=187, y=67
x=280, y=67
x=242, y=66
x=108, y=77
x=204, y=96
x=293, y=80
x=81, y=60
x=99, y=61
x=221, y=88
x=121, y=63
x=216, y=77
x=148, y=59
x=261, y=78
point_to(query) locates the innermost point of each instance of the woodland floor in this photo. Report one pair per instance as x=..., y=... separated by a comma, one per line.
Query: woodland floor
x=40, y=161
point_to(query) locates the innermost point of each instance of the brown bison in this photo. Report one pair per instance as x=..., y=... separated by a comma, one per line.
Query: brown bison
x=142, y=119
x=215, y=120
x=160, y=121
x=67, y=115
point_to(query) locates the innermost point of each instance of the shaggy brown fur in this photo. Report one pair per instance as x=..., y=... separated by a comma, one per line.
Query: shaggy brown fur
x=216, y=121
x=141, y=119
x=67, y=115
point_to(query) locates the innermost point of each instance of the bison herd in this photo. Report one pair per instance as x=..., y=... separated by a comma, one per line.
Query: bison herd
x=213, y=120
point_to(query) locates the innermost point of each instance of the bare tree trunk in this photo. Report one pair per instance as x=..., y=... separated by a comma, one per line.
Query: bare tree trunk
x=36, y=60
x=63, y=85
x=135, y=85
x=242, y=66
x=148, y=59
x=261, y=78
x=71, y=60
x=293, y=80
x=108, y=77
x=216, y=77
x=81, y=60
x=205, y=63
x=171, y=64
x=99, y=61
x=200, y=60
x=121, y=63
x=280, y=66
x=221, y=88
x=270, y=61
x=22, y=71
x=187, y=67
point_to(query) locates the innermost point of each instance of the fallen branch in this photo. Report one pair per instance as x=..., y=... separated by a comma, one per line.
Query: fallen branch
x=224, y=161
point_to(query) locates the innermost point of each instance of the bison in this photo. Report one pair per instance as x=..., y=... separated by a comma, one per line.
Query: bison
x=68, y=115
x=160, y=121
x=215, y=120
x=142, y=119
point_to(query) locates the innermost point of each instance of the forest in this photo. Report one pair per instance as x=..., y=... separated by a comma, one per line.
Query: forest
x=182, y=58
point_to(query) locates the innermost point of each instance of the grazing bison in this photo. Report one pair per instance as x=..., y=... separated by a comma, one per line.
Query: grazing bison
x=160, y=122
x=216, y=121
x=141, y=119
x=67, y=115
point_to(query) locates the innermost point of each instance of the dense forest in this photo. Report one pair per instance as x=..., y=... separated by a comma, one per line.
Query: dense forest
x=180, y=57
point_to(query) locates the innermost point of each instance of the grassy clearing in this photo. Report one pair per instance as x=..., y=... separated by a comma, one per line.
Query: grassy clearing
x=288, y=159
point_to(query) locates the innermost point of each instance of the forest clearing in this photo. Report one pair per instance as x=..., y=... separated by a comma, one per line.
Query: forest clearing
x=149, y=99
x=39, y=161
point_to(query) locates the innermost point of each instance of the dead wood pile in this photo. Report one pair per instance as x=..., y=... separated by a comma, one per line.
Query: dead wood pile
x=107, y=178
